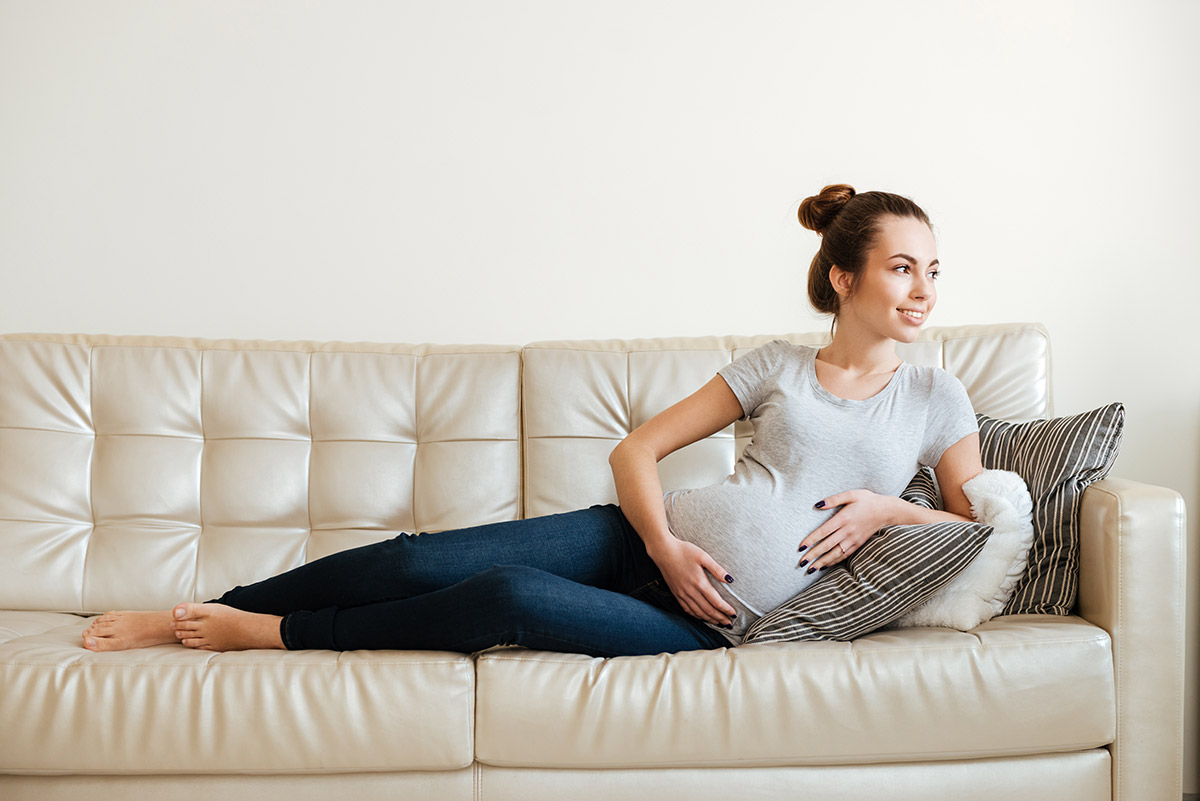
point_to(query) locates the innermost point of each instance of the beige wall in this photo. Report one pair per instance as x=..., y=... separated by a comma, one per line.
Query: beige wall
x=476, y=171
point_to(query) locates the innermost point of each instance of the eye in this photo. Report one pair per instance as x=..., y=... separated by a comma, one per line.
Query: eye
x=901, y=267
x=935, y=274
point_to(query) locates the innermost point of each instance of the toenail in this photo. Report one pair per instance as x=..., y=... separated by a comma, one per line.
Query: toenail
x=180, y=612
x=91, y=642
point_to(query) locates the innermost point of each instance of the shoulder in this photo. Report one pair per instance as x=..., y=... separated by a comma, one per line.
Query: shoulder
x=788, y=351
x=935, y=380
x=782, y=346
x=776, y=352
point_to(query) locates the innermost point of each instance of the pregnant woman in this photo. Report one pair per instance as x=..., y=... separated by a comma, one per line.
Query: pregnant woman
x=838, y=433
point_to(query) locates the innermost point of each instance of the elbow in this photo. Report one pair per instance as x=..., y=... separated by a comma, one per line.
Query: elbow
x=618, y=453
x=629, y=448
x=614, y=455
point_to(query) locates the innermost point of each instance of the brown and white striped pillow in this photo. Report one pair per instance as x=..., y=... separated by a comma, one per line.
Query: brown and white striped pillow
x=1057, y=459
x=898, y=568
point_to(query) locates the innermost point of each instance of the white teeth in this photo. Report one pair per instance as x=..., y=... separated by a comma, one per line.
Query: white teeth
x=916, y=315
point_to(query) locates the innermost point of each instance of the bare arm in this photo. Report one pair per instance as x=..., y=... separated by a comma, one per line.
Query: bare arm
x=634, y=464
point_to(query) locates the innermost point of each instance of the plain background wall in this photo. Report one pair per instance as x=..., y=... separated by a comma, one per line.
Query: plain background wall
x=476, y=171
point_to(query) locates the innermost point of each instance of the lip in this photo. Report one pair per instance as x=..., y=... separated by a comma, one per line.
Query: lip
x=913, y=320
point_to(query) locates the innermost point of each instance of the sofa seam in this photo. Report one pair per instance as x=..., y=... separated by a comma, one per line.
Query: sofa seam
x=91, y=477
x=914, y=649
x=312, y=446
x=210, y=664
x=1118, y=659
x=416, y=378
x=355, y=770
x=1181, y=632
x=815, y=761
x=522, y=452
x=200, y=489
x=204, y=344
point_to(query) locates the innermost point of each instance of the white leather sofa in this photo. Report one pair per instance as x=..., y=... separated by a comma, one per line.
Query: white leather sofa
x=137, y=472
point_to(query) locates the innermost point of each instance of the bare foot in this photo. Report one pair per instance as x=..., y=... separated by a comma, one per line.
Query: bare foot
x=120, y=631
x=216, y=627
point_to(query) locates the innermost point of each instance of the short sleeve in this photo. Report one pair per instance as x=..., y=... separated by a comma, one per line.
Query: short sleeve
x=949, y=417
x=752, y=375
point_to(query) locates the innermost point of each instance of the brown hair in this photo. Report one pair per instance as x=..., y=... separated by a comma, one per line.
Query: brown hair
x=849, y=225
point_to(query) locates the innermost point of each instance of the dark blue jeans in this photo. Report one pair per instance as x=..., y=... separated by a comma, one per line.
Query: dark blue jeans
x=579, y=582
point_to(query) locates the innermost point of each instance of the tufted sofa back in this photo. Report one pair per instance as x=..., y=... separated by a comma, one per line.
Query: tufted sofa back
x=136, y=472
x=581, y=398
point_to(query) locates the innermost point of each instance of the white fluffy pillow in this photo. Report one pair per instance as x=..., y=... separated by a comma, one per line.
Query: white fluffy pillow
x=1000, y=499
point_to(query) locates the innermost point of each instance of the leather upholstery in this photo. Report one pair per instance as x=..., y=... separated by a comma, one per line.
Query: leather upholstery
x=1131, y=584
x=1078, y=776
x=198, y=465
x=1014, y=685
x=170, y=709
x=136, y=472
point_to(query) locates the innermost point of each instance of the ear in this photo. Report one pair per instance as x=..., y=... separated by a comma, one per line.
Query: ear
x=841, y=281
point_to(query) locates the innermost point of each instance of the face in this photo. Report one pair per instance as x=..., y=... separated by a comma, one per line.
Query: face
x=896, y=290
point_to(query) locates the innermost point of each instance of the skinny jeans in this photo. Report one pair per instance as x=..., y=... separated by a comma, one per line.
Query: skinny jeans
x=578, y=582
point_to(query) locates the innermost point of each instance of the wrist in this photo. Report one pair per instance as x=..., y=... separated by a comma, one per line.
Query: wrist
x=900, y=512
x=658, y=543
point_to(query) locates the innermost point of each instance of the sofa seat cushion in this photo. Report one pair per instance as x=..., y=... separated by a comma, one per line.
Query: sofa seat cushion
x=22, y=624
x=1019, y=684
x=171, y=709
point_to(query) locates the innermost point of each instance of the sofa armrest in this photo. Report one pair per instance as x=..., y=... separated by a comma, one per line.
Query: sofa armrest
x=1132, y=585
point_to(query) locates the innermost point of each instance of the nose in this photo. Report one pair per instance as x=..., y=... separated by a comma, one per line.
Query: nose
x=922, y=287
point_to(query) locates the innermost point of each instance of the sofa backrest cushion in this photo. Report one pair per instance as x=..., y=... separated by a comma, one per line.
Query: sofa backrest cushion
x=580, y=398
x=137, y=472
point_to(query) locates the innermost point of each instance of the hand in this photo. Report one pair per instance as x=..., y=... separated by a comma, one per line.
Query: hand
x=862, y=514
x=683, y=565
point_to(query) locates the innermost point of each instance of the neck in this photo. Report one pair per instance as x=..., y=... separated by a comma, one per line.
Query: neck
x=857, y=353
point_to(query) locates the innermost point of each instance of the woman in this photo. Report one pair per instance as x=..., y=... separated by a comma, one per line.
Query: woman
x=838, y=432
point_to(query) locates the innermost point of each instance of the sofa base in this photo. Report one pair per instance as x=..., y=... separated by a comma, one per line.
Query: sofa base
x=1080, y=776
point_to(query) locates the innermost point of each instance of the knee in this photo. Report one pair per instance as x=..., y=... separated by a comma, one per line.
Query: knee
x=515, y=589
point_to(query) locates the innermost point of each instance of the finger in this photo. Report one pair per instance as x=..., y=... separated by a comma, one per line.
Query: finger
x=700, y=602
x=715, y=605
x=833, y=501
x=819, y=533
x=703, y=610
x=835, y=554
x=721, y=574
x=820, y=554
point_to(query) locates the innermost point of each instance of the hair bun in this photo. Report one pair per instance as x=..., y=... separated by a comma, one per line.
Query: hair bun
x=816, y=213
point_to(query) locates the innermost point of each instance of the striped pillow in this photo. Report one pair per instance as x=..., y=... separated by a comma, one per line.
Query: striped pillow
x=1057, y=459
x=923, y=490
x=897, y=569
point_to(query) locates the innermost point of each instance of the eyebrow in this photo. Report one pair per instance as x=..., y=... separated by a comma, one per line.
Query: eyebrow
x=909, y=258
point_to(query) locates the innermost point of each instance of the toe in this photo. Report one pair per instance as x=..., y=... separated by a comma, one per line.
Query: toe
x=187, y=611
x=103, y=644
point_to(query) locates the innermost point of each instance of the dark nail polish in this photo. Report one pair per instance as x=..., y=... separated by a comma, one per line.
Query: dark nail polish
x=826, y=567
x=803, y=563
x=728, y=579
x=811, y=569
x=803, y=548
x=819, y=505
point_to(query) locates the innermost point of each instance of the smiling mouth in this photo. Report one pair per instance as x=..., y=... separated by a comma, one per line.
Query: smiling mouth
x=916, y=315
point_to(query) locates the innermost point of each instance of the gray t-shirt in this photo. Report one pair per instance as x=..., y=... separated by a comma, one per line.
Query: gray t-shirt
x=808, y=444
